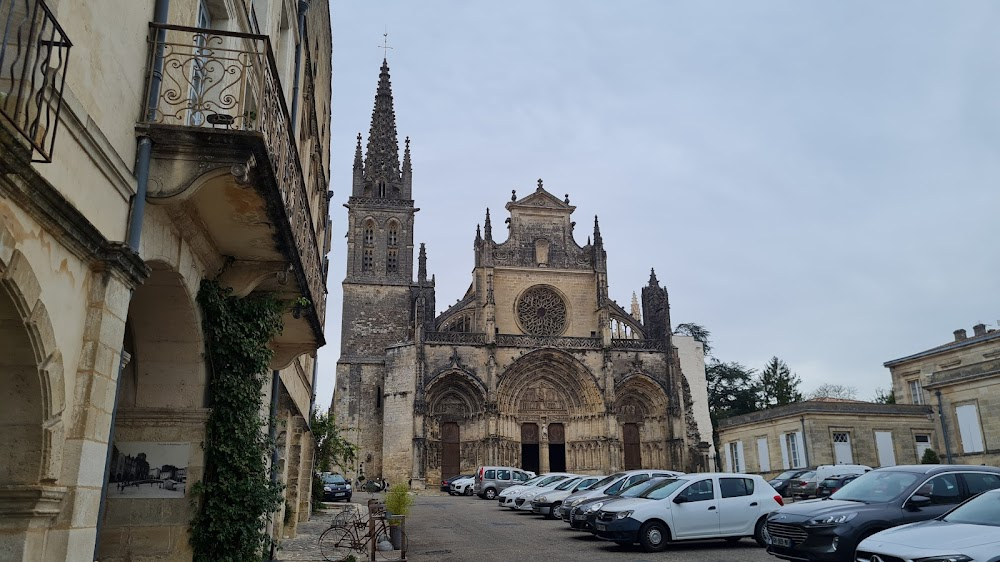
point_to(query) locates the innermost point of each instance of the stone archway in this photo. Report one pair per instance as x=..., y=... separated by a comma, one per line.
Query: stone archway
x=31, y=408
x=641, y=408
x=156, y=452
x=552, y=391
x=454, y=425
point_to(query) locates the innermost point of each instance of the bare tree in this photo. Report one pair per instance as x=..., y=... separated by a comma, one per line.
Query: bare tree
x=829, y=390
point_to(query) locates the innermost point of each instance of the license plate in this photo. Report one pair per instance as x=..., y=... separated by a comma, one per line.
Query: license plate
x=601, y=527
x=781, y=541
x=339, y=494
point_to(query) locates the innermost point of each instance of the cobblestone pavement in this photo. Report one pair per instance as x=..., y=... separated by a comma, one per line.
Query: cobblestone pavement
x=305, y=546
x=441, y=528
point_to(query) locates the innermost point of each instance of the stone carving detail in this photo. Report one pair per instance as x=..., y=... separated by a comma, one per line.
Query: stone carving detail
x=655, y=345
x=541, y=312
x=510, y=340
x=630, y=411
x=541, y=399
x=454, y=337
x=450, y=406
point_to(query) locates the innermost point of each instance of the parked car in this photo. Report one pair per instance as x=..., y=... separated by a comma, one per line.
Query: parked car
x=446, y=483
x=968, y=533
x=510, y=495
x=830, y=529
x=549, y=503
x=491, y=480
x=604, y=487
x=523, y=500
x=780, y=482
x=462, y=486
x=594, y=507
x=699, y=506
x=833, y=483
x=803, y=486
x=336, y=488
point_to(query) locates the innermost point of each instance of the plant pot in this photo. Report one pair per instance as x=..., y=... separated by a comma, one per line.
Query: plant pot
x=396, y=537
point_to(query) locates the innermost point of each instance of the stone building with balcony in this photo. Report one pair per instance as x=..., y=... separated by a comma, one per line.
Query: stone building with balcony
x=535, y=366
x=147, y=146
x=960, y=381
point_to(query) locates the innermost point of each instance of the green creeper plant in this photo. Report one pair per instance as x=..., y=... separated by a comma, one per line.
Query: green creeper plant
x=237, y=496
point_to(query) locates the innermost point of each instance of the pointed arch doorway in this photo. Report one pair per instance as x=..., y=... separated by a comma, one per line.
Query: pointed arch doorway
x=451, y=450
x=557, y=447
x=529, y=447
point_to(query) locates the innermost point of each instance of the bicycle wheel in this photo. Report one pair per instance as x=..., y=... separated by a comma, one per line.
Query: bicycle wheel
x=337, y=544
x=395, y=553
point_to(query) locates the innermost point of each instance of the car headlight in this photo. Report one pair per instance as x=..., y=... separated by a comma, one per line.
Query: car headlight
x=573, y=503
x=832, y=519
x=327, y=489
x=945, y=558
x=596, y=506
x=541, y=499
x=348, y=487
x=623, y=514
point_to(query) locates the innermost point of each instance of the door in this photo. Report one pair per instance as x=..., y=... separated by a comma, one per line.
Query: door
x=529, y=447
x=557, y=447
x=633, y=454
x=883, y=444
x=738, y=506
x=698, y=513
x=842, y=448
x=451, y=450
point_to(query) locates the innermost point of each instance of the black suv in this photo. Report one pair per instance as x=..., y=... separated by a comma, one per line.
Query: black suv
x=829, y=530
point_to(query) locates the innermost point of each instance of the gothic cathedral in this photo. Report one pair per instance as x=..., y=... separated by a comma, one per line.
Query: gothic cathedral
x=534, y=367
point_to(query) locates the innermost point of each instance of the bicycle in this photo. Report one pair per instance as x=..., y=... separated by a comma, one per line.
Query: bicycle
x=351, y=535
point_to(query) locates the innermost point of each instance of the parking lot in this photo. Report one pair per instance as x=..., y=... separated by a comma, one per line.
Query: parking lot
x=452, y=529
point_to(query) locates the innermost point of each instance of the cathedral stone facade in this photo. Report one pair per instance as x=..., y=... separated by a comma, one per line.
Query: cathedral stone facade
x=535, y=366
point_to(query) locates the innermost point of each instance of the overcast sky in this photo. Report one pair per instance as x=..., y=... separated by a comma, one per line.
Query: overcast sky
x=818, y=181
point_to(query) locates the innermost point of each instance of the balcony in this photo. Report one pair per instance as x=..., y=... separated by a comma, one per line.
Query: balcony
x=34, y=53
x=224, y=157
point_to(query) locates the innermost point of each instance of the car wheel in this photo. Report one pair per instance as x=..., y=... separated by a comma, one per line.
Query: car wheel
x=654, y=536
x=468, y=490
x=490, y=494
x=760, y=532
x=552, y=510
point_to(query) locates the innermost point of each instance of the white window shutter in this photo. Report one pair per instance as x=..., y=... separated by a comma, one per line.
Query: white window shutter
x=968, y=427
x=763, y=455
x=784, y=451
x=729, y=457
x=740, y=463
x=801, y=446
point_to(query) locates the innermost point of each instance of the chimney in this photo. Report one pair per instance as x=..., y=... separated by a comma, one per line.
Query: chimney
x=979, y=329
x=959, y=335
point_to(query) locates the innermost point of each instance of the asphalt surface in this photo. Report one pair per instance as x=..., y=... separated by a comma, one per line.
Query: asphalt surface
x=459, y=529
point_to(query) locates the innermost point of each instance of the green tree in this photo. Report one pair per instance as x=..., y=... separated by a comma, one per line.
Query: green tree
x=778, y=385
x=698, y=332
x=930, y=457
x=332, y=449
x=829, y=390
x=732, y=389
x=884, y=396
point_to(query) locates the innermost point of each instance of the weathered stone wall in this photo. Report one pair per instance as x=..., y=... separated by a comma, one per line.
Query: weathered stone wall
x=398, y=415
x=578, y=288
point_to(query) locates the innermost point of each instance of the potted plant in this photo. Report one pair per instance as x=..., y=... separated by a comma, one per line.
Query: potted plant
x=397, y=506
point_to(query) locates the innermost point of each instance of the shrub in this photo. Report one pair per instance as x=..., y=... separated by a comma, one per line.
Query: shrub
x=398, y=500
x=930, y=457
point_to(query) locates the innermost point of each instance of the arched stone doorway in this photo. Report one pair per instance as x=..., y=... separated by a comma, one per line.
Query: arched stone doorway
x=641, y=415
x=160, y=426
x=454, y=425
x=31, y=407
x=550, y=398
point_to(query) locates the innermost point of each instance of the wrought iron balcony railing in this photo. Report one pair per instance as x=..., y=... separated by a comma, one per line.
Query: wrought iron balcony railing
x=212, y=79
x=34, y=53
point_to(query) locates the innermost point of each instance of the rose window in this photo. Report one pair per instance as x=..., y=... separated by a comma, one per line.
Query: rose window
x=541, y=312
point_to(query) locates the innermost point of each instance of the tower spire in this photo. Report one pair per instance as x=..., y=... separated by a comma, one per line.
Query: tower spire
x=358, y=163
x=422, y=264
x=598, y=241
x=406, y=156
x=652, y=278
x=636, y=311
x=488, y=226
x=382, y=169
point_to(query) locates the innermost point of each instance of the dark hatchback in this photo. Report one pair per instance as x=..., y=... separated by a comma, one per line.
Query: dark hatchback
x=780, y=482
x=829, y=529
x=335, y=488
x=833, y=483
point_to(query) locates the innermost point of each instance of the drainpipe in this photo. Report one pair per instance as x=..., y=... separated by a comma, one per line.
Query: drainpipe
x=303, y=8
x=161, y=11
x=805, y=444
x=944, y=426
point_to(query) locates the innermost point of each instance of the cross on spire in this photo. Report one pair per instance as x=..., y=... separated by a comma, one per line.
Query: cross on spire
x=385, y=44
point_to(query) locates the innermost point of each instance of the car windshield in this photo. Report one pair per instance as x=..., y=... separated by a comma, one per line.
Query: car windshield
x=876, y=486
x=334, y=479
x=532, y=482
x=567, y=484
x=786, y=475
x=806, y=476
x=830, y=482
x=548, y=480
x=663, y=489
x=606, y=480
x=636, y=490
x=982, y=510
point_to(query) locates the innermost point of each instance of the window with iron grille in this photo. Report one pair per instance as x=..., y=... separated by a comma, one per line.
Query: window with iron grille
x=393, y=239
x=367, y=261
x=391, y=262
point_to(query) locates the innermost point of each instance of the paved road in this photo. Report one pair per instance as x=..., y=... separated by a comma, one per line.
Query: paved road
x=459, y=529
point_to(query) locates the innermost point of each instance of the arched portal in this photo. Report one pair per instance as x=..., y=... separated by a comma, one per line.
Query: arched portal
x=550, y=394
x=21, y=409
x=641, y=413
x=454, y=424
x=162, y=409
